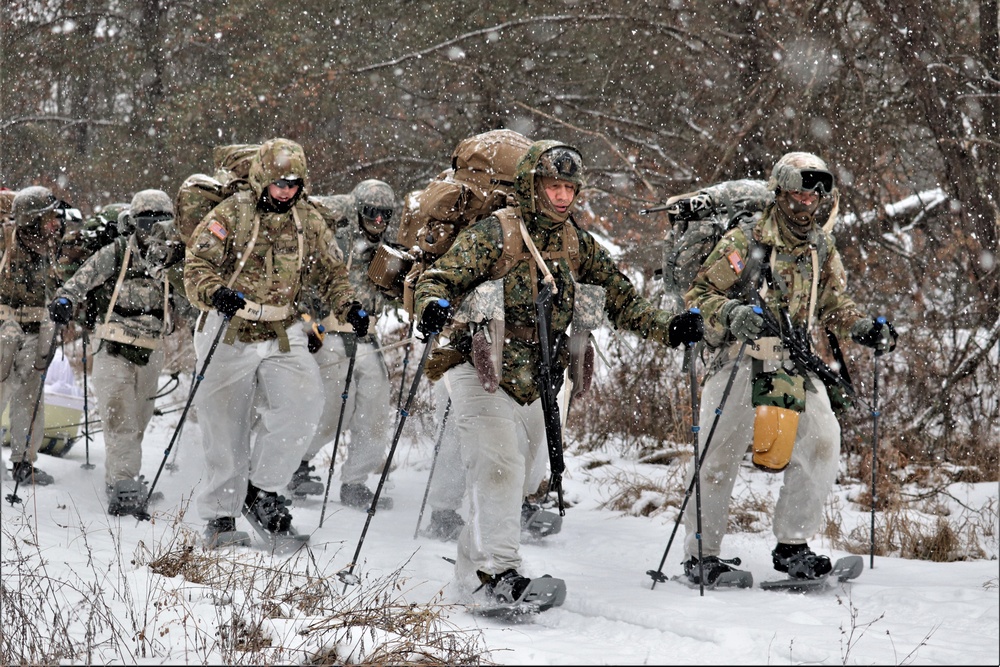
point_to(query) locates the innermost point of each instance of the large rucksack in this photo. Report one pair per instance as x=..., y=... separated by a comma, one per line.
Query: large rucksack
x=200, y=193
x=698, y=221
x=479, y=182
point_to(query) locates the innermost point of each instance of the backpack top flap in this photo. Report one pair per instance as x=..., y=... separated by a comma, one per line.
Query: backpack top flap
x=487, y=161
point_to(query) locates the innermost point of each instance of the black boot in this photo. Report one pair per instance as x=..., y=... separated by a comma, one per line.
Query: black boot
x=800, y=562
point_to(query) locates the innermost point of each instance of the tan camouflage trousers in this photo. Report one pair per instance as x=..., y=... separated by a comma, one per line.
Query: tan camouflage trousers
x=124, y=392
x=807, y=479
x=503, y=451
x=257, y=410
x=367, y=414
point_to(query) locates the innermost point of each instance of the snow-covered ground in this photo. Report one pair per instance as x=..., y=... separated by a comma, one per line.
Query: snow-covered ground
x=900, y=612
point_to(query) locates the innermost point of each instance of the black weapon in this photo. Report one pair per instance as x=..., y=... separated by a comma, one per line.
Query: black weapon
x=549, y=392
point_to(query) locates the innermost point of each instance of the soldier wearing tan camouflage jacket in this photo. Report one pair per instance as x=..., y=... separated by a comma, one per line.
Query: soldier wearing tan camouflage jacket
x=501, y=433
x=261, y=396
x=132, y=292
x=785, y=262
x=30, y=250
x=358, y=221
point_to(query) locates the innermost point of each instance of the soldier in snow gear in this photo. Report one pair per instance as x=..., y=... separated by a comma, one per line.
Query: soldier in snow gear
x=249, y=259
x=30, y=251
x=788, y=264
x=502, y=432
x=133, y=293
x=358, y=221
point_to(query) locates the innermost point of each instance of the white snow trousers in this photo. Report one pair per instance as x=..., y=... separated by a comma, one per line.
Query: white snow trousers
x=257, y=409
x=448, y=484
x=20, y=390
x=125, y=402
x=807, y=479
x=504, y=453
x=366, y=412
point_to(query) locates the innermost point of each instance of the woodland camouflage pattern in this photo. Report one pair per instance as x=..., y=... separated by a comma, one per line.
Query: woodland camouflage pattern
x=271, y=275
x=792, y=270
x=477, y=248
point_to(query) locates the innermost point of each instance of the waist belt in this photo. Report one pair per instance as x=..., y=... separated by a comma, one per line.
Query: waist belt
x=23, y=314
x=119, y=334
x=529, y=334
x=258, y=312
x=768, y=348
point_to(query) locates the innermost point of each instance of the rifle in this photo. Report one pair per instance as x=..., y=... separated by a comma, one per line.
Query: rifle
x=549, y=391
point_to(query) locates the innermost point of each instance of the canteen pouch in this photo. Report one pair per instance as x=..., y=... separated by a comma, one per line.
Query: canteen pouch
x=778, y=399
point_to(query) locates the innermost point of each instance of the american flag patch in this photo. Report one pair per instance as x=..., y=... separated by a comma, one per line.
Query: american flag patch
x=736, y=262
x=218, y=230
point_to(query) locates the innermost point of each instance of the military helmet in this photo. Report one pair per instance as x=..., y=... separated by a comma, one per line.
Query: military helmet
x=31, y=203
x=800, y=171
x=148, y=207
x=280, y=159
x=375, y=202
x=562, y=162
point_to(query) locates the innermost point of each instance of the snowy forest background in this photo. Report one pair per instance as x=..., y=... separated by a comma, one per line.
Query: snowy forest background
x=101, y=98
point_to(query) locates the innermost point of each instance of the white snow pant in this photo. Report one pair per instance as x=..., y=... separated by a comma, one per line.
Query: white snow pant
x=448, y=483
x=265, y=449
x=20, y=391
x=807, y=479
x=125, y=402
x=367, y=414
x=504, y=452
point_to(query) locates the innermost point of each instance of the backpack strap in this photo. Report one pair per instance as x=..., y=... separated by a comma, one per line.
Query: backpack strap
x=515, y=251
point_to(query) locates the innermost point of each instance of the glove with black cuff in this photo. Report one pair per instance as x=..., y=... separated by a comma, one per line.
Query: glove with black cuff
x=61, y=310
x=687, y=327
x=878, y=334
x=228, y=301
x=358, y=319
x=436, y=314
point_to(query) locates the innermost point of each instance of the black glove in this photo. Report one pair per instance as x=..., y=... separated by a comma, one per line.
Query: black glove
x=358, y=319
x=744, y=323
x=228, y=301
x=61, y=310
x=436, y=315
x=688, y=328
x=877, y=334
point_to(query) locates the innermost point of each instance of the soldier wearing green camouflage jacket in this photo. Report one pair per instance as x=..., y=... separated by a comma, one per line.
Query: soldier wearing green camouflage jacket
x=132, y=295
x=30, y=251
x=502, y=433
x=358, y=221
x=258, y=404
x=785, y=263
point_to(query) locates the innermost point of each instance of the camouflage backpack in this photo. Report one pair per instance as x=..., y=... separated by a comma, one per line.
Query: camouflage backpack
x=200, y=193
x=698, y=221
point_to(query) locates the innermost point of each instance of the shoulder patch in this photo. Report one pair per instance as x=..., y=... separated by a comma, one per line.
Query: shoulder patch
x=735, y=261
x=218, y=230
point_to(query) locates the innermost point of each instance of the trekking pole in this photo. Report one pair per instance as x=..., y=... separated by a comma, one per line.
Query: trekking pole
x=348, y=576
x=12, y=497
x=695, y=407
x=352, y=356
x=437, y=448
x=875, y=415
x=142, y=514
x=172, y=466
x=86, y=410
x=657, y=575
x=406, y=362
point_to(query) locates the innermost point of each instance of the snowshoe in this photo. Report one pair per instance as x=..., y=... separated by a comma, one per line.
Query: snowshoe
x=719, y=573
x=221, y=532
x=539, y=522
x=360, y=497
x=445, y=525
x=128, y=496
x=305, y=484
x=512, y=597
x=25, y=473
x=268, y=513
x=844, y=569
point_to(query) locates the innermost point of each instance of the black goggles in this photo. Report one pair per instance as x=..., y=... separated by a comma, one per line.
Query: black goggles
x=289, y=182
x=815, y=180
x=144, y=222
x=373, y=212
